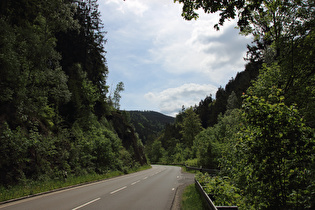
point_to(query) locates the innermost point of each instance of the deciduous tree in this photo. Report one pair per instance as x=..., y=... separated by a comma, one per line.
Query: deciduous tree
x=276, y=170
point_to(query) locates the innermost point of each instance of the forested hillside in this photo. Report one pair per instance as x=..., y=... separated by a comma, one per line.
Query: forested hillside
x=148, y=124
x=57, y=116
x=259, y=129
x=55, y=111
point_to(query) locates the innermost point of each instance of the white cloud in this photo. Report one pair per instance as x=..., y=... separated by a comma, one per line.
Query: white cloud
x=136, y=7
x=152, y=49
x=200, y=49
x=171, y=100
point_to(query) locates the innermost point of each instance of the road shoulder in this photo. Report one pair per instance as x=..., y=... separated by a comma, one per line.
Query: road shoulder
x=186, y=179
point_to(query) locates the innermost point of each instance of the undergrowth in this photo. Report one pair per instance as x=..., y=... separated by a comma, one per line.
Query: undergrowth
x=30, y=187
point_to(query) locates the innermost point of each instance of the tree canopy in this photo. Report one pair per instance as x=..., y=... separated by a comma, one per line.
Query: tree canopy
x=259, y=128
x=54, y=109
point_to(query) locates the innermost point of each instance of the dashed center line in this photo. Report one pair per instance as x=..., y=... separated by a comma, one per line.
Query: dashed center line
x=86, y=204
x=135, y=182
x=145, y=177
x=118, y=190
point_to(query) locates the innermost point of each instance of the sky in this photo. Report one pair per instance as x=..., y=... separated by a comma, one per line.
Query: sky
x=164, y=61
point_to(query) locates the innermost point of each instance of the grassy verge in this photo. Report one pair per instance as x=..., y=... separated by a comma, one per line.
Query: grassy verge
x=191, y=199
x=30, y=187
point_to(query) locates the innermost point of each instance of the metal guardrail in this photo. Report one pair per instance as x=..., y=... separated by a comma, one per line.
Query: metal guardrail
x=205, y=196
x=209, y=204
x=210, y=171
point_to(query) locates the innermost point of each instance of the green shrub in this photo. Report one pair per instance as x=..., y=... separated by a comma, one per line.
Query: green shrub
x=192, y=162
x=221, y=191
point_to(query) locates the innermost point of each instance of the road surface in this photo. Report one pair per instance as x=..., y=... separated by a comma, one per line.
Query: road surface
x=150, y=189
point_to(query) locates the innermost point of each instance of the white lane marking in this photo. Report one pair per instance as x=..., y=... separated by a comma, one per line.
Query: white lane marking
x=118, y=190
x=86, y=204
x=135, y=182
x=145, y=177
x=177, y=177
x=173, y=189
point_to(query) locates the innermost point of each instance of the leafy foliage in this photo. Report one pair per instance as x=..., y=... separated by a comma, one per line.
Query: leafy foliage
x=117, y=96
x=276, y=147
x=54, y=112
x=191, y=126
x=259, y=129
x=221, y=191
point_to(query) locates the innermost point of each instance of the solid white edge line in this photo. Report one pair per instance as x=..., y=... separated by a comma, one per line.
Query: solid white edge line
x=118, y=190
x=86, y=204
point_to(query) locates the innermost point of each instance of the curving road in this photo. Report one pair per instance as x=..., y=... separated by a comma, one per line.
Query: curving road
x=150, y=189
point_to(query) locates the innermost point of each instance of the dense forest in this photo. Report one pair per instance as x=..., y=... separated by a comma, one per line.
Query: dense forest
x=259, y=129
x=55, y=111
x=149, y=124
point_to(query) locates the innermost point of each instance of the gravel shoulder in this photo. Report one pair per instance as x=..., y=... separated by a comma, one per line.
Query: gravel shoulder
x=187, y=179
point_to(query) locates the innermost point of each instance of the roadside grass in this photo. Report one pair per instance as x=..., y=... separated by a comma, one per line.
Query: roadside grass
x=30, y=187
x=191, y=199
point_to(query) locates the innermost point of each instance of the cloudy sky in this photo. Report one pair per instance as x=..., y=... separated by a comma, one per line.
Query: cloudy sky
x=163, y=60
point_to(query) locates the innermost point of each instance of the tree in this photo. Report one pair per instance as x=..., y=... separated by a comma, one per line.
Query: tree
x=33, y=82
x=204, y=111
x=283, y=34
x=272, y=23
x=215, y=144
x=117, y=96
x=191, y=126
x=244, y=10
x=82, y=50
x=228, y=9
x=232, y=102
x=178, y=156
x=218, y=106
x=54, y=115
x=157, y=152
x=277, y=165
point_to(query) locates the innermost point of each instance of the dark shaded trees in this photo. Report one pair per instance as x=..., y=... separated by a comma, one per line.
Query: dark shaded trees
x=28, y=57
x=54, y=112
x=204, y=111
x=33, y=86
x=83, y=60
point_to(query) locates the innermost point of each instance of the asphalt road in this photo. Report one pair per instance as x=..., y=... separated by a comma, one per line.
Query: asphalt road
x=150, y=189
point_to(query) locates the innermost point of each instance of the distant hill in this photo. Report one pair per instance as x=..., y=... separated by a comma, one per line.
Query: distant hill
x=148, y=124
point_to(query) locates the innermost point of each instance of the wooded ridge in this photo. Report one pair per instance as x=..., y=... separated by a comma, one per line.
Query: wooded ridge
x=148, y=124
